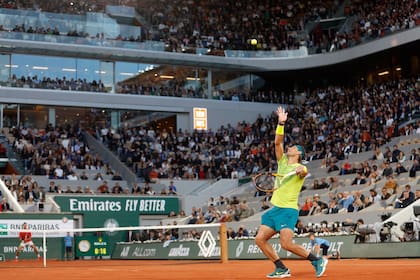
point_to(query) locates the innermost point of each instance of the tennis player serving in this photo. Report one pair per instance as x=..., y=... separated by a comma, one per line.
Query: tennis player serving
x=282, y=217
x=25, y=238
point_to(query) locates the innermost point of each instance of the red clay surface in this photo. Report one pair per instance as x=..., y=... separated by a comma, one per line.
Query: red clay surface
x=359, y=269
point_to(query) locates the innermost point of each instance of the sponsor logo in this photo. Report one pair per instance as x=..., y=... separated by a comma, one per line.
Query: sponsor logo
x=180, y=251
x=144, y=252
x=111, y=224
x=124, y=252
x=129, y=205
x=3, y=227
x=239, y=249
x=214, y=253
x=13, y=249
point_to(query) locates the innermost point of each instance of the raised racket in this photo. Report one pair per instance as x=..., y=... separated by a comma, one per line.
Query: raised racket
x=265, y=181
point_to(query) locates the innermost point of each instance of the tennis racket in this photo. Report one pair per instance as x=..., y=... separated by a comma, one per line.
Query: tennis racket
x=265, y=181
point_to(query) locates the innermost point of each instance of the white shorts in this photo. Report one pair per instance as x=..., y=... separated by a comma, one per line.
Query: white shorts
x=28, y=243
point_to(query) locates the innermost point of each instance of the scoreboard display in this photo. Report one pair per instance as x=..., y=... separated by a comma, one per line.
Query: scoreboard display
x=91, y=246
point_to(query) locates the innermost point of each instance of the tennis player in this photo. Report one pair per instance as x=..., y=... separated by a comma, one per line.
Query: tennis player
x=25, y=237
x=282, y=217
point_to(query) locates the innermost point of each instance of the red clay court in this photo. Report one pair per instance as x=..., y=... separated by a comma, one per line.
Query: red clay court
x=360, y=269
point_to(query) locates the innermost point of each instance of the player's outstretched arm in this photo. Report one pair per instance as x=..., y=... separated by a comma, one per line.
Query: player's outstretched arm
x=278, y=141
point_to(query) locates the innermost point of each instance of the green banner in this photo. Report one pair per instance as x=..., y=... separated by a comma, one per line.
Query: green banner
x=8, y=247
x=108, y=211
x=247, y=249
x=92, y=246
x=118, y=205
x=115, y=211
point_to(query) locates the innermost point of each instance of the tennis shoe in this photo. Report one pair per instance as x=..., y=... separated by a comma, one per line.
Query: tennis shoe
x=280, y=273
x=320, y=266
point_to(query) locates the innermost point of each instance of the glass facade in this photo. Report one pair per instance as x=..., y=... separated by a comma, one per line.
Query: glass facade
x=16, y=66
x=39, y=116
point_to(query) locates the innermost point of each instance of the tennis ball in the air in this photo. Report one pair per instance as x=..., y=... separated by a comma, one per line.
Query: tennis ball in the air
x=254, y=42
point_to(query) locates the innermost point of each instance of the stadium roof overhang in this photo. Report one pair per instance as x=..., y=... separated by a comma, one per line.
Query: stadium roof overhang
x=207, y=61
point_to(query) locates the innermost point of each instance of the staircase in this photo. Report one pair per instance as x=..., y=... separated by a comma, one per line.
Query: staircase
x=16, y=162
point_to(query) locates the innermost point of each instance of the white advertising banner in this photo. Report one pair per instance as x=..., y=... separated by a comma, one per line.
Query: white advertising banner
x=11, y=228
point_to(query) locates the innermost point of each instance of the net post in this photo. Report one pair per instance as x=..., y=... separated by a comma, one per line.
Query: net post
x=44, y=249
x=224, y=257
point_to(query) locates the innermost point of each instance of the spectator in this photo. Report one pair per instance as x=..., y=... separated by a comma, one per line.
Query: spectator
x=413, y=155
x=306, y=207
x=385, y=194
x=4, y=205
x=332, y=167
x=406, y=198
x=264, y=205
x=414, y=168
x=387, y=171
x=378, y=155
x=83, y=176
x=68, y=190
x=417, y=195
x=244, y=211
x=360, y=238
x=356, y=206
x=374, y=197
x=136, y=189
x=401, y=157
x=72, y=176
x=116, y=177
x=400, y=169
x=346, y=201
x=346, y=168
x=149, y=190
x=98, y=177
x=395, y=153
x=117, y=189
x=359, y=180
x=103, y=188
x=300, y=229
x=332, y=207
x=323, y=184
x=332, y=183
x=315, y=209
x=231, y=234
x=321, y=204
x=88, y=190
x=172, y=188
x=374, y=176
x=52, y=187
x=391, y=184
x=388, y=154
x=242, y=232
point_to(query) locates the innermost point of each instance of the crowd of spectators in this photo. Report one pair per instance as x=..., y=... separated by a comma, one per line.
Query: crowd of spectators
x=356, y=201
x=78, y=7
x=54, y=151
x=235, y=152
x=231, y=25
x=370, y=20
x=177, y=88
x=55, y=83
x=324, y=123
